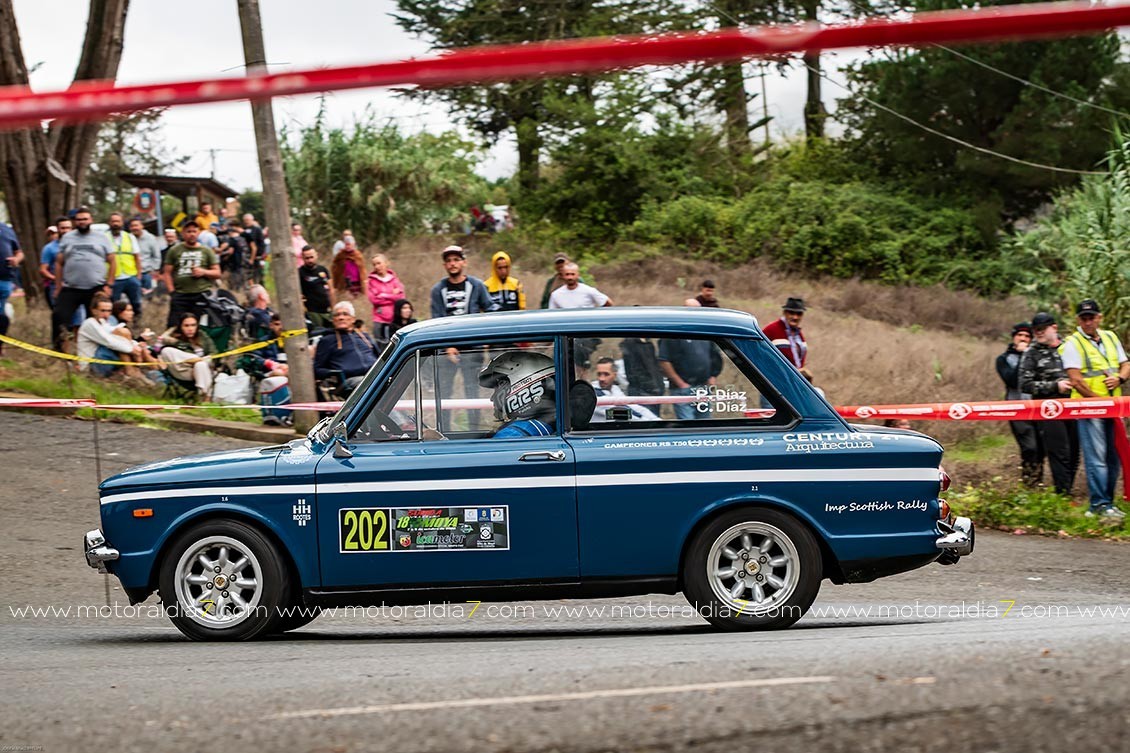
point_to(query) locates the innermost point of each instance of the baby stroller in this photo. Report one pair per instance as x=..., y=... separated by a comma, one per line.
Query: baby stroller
x=222, y=317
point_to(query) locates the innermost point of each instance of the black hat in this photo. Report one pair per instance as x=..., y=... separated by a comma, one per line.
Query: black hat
x=1087, y=306
x=1042, y=319
x=559, y=257
x=454, y=251
x=189, y=223
x=1021, y=327
x=794, y=305
x=708, y=284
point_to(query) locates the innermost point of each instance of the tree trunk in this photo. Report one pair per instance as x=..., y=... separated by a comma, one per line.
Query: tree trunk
x=814, y=112
x=276, y=202
x=529, y=152
x=734, y=104
x=42, y=170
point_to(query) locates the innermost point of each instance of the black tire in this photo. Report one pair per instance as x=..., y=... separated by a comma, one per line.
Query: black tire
x=265, y=565
x=782, y=606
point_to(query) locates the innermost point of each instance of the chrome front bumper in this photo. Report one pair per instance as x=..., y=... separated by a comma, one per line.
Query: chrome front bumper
x=97, y=553
x=957, y=539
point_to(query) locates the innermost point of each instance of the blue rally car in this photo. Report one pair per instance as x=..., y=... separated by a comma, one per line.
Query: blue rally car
x=540, y=455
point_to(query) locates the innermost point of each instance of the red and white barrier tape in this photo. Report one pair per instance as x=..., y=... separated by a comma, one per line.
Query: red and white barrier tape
x=1018, y=410
x=997, y=410
x=93, y=99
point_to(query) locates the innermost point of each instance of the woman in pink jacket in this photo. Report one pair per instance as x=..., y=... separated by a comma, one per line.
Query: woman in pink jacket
x=384, y=290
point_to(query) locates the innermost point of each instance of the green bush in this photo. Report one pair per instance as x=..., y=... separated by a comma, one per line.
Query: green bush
x=853, y=229
x=1032, y=510
x=693, y=223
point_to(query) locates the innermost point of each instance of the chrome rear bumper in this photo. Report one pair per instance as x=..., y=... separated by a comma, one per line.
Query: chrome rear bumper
x=957, y=539
x=97, y=553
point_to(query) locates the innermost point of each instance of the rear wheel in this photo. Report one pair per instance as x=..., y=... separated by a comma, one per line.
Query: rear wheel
x=752, y=569
x=223, y=580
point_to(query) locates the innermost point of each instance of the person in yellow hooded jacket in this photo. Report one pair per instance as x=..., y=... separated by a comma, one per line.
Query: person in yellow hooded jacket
x=506, y=291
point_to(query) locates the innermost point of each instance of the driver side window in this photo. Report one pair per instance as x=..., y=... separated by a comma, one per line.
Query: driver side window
x=453, y=393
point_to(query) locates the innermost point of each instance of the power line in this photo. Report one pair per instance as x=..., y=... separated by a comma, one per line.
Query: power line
x=948, y=137
x=1033, y=84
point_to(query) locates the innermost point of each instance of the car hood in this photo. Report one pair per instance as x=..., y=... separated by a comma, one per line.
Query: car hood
x=227, y=465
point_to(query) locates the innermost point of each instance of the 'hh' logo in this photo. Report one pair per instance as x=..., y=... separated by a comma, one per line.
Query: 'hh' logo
x=301, y=512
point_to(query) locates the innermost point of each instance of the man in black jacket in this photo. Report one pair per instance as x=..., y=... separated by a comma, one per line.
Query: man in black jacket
x=641, y=367
x=1026, y=434
x=1043, y=377
x=347, y=352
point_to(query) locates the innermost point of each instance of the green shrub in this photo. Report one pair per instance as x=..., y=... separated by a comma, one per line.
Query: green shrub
x=1033, y=510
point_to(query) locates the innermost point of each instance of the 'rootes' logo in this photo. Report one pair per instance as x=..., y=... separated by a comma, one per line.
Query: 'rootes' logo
x=1051, y=408
x=959, y=411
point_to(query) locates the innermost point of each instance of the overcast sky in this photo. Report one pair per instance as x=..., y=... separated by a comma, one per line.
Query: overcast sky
x=163, y=42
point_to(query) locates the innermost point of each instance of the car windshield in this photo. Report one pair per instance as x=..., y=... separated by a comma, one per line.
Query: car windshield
x=326, y=431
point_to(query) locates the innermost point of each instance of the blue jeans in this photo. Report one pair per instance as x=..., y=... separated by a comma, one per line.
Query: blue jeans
x=103, y=369
x=5, y=293
x=146, y=281
x=1096, y=438
x=131, y=287
x=690, y=411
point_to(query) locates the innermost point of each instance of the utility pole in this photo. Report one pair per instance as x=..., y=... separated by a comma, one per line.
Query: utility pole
x=276, y=207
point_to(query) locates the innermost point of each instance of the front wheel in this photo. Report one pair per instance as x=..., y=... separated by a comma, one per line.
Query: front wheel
x=223, y=580
x=752, y=569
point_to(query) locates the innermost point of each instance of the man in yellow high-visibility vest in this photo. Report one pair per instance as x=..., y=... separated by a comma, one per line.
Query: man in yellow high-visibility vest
x=1096, y=365
x=127, y=254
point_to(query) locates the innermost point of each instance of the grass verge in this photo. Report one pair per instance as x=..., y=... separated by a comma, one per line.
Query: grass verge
x=1039, y=511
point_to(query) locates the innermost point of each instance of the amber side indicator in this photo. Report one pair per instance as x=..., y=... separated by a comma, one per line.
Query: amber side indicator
x=144, y=512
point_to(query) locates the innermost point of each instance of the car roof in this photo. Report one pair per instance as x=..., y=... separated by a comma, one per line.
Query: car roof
x=611, y=320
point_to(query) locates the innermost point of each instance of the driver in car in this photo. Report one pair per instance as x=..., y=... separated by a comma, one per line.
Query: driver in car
x=523, y=384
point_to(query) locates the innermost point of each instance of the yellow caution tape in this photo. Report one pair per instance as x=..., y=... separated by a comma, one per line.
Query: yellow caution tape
x=84, y=359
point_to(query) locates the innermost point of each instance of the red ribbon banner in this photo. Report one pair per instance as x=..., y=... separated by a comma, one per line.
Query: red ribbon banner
x=94, y=99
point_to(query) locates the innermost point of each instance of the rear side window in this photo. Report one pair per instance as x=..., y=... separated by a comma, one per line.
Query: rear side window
x=664, y=382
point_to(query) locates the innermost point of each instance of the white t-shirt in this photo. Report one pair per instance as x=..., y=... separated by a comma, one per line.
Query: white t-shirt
x=1073, y=359
x=581, y=297
x=639, y=412
x=209, y=239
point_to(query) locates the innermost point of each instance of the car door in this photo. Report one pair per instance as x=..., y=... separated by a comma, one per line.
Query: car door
x=649, y=464
x=430, y=497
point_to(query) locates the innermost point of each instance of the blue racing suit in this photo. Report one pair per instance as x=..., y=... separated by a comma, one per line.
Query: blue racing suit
x=526, y=427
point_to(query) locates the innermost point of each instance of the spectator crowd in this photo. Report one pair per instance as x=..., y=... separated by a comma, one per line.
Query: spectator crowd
x=210, y=271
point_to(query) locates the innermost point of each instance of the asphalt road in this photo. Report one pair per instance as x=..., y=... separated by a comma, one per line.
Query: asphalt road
x=928, y=660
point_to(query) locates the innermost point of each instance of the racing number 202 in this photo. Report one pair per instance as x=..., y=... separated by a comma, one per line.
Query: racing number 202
x=364, y=530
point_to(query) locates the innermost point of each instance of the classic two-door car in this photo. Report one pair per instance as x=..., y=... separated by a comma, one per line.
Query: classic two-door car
x=540, y=455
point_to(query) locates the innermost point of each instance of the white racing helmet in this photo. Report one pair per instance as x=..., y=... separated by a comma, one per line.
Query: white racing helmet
x=522, y=383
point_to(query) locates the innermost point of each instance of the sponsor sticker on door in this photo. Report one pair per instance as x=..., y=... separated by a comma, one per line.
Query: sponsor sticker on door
x=423, y=529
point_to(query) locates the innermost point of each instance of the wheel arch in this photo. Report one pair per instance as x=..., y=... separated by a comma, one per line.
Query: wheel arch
x=830, y=563
x=225, y=513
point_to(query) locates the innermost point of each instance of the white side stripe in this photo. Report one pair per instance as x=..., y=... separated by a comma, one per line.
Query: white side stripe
x=824, y=475
x=765, y=477
x=242, y=491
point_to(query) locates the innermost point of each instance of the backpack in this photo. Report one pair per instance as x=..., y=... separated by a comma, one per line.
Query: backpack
x=221, y=310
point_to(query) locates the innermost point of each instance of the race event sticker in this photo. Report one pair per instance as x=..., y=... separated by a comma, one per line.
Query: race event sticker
x=423, y=529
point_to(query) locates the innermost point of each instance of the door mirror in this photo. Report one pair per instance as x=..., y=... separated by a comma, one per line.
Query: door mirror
x=341, y=450
x=315, y=433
